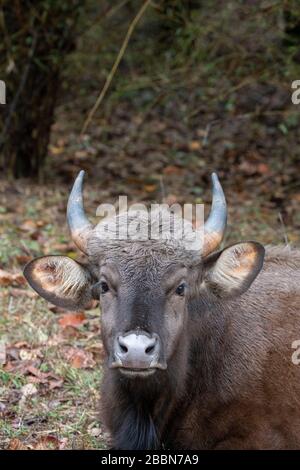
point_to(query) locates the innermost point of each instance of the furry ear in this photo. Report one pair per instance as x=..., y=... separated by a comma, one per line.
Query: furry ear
x=60, y=280
x=230, y=272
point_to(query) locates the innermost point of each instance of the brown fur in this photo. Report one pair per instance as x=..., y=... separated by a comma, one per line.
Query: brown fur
x=231, y=383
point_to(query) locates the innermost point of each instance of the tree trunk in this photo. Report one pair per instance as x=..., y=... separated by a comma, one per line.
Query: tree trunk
x=36, y=38
x=26, y=144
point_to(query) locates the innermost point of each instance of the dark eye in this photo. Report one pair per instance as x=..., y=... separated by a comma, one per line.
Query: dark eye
x=180, y=289
x=103, y=287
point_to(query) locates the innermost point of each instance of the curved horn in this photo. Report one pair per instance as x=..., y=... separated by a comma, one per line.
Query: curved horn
x=79, y=225
x=215, y=225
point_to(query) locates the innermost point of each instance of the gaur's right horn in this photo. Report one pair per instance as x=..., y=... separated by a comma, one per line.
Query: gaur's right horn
x=79, y=225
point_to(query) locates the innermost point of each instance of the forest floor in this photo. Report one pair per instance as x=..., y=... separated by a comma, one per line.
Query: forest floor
x=50, y=359
x=164, y=150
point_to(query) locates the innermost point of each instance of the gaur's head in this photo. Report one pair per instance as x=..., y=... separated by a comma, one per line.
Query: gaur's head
x=145, y=287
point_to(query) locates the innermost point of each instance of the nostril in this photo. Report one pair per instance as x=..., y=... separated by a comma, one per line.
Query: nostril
x=150, y=349
x=123, y=348
x=122, y=345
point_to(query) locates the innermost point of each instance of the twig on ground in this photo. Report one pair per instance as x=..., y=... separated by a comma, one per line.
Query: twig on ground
x=283, y=227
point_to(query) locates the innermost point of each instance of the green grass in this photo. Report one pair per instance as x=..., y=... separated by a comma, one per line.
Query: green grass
x=33, y=336
x=200, y=76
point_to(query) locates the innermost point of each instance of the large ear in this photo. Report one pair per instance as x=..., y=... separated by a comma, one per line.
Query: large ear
x=231, y=272
x=60, y=280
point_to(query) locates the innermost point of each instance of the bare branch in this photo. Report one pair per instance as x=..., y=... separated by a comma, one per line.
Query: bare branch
x=115, y=66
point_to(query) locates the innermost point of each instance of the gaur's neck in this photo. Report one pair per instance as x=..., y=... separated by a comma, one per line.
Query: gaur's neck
x=136, y=429
x=142, y=407
x=210, y=338
x=143, y=410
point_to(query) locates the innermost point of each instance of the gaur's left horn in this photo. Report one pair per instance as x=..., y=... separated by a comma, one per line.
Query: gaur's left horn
x=79, y=225
x=215, y=225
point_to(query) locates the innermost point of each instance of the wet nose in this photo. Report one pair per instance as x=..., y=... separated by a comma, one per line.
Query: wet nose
x=137, y=350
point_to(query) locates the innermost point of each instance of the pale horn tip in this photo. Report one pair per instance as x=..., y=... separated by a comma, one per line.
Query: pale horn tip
x=215, y=225
x=79, y=224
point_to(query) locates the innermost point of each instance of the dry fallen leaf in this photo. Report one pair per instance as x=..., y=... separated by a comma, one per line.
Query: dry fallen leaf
x=27, y=391
x=47, y=443
x=45, y=378
x=79, y=358
x=55, y=384
x=19, y=279
x=263, y=169
x=72, y=319
x=16, y=444
x=3, y=408
x=56, y=150
x=40, y=376
x=172, y=170
x=22, y=344
x=6, y=278
x=9, y=279
x=71, y=332
x=94, y=432
x=194, y=145
x=17, y=292
x=30, y=354
x=23, y=259
x=150, y=188
x=97, y=350
x=2, y=353
x=28, y=226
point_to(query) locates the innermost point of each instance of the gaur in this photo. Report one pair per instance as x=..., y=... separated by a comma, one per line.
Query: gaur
x=198, y=344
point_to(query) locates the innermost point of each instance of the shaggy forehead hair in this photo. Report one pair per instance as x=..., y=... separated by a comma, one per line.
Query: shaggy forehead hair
x=176, y=236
